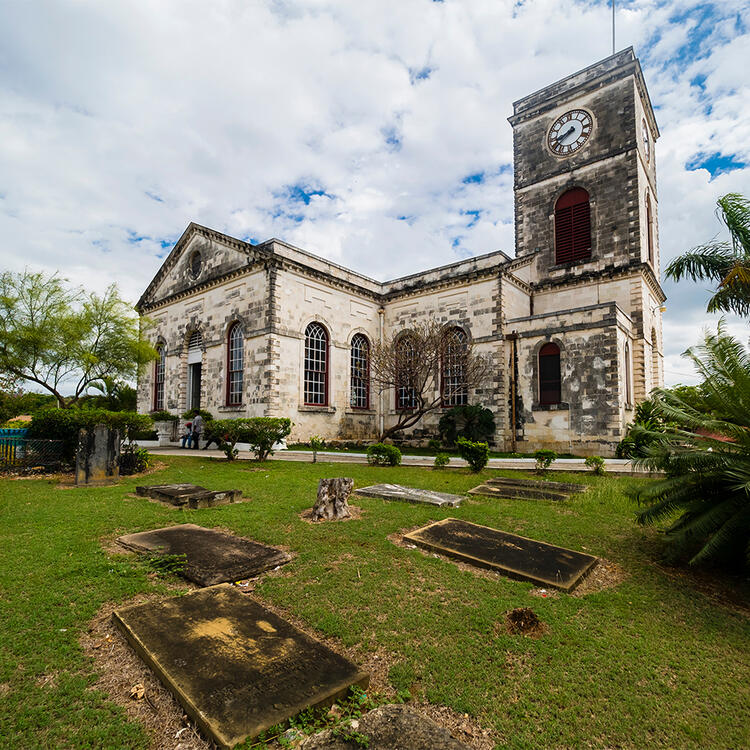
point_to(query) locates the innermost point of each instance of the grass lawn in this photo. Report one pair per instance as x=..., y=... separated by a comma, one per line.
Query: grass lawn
x=652, y=662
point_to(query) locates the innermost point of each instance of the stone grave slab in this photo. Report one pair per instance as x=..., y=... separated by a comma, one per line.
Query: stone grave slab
x=509, y=554
x=235, y=666
x=528, y=489
x=188, y=495
x=410, y=495
x=211, y=556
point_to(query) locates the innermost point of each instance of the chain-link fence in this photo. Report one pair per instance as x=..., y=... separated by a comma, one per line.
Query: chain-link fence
x=22, y=454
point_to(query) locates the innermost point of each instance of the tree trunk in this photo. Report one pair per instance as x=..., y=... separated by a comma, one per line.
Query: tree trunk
x=333, y=495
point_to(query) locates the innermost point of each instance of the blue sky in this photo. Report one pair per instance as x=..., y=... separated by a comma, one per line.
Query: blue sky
x=372, y=133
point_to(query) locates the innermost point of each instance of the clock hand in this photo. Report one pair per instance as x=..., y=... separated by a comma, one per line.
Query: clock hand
x=566, y=133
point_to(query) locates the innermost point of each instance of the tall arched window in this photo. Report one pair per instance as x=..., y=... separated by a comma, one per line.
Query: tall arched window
x=316, y=365
x=453, y=376
x=650, y=230
x=406, y=393
x=159, y=372
x=360, y=372
x=235, y=365
x=549, y=374
x=572, y=226
x=628, y=387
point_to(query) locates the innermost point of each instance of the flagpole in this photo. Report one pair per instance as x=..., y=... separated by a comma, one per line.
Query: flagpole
x=613, y=27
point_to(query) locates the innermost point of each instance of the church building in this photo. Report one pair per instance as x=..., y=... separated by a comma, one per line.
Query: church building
x=571, y=324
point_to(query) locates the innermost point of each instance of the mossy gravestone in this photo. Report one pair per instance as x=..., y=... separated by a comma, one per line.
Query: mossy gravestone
x=98, y=456
x=236, y=667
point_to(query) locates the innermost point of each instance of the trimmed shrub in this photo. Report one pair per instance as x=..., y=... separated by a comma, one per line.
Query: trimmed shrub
x=316, y=443
x=163, y=416
x=476, y=454
x=134, y=459
x=544, y=460
x=471, y=422
x=262, y=433
x=381, y=454
x=596, y=464
x=64, y=424
x=442, y=460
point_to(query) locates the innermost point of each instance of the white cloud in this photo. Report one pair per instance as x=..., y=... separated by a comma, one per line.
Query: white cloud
x=121, y=122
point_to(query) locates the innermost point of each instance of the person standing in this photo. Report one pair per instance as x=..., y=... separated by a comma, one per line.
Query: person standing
x=197, y=429
x=187, y=436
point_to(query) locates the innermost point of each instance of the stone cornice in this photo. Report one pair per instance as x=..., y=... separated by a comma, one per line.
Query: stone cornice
x=611, y=272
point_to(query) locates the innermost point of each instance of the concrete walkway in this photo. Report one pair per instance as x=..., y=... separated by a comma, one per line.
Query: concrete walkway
x=611, y=465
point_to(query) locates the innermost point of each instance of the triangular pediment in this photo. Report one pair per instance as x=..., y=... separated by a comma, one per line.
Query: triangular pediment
x=199, y=258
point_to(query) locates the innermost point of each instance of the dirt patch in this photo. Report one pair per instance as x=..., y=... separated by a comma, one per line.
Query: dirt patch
x=604, y=575
x=356, y=514
x=524, y=621
x=47, y=680
x=462, y=726
x=4, y=688
x=729, y=592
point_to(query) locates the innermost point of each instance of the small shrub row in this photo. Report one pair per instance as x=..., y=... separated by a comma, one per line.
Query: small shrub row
x=262, y=433
x=64, y=424
x=476, y=454
x=381, y=454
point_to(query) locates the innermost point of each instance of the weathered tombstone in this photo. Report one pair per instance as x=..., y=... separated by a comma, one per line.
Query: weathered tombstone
x=410, y=495
x=236, y=667
x=98, y=456
x=333, y=499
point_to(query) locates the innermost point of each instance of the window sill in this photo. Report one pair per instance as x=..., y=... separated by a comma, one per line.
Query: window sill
x=562, y=406
x=324, y=409
x=570, y=263
x=361, y=412
x=238, y=407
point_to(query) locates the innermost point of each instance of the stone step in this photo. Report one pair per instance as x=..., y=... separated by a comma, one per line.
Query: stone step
x=537, y=484
x=525, y=493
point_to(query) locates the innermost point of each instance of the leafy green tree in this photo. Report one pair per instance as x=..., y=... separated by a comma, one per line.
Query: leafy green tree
x=59, y=337
x=706, y=454
x=725, y=262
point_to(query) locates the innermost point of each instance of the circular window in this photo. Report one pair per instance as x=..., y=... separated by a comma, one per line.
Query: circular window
x=196, y=263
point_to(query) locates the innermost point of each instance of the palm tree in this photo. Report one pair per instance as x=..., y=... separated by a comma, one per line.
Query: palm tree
x=726, y=262
x=706, y=454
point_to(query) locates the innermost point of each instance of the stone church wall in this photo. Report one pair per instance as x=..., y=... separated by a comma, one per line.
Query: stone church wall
x=588, y=419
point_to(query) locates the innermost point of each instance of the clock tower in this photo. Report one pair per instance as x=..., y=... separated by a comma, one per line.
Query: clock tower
x=586, y=213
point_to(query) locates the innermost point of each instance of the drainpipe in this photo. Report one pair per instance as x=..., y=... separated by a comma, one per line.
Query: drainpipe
x=513, y=337
x=381, y=415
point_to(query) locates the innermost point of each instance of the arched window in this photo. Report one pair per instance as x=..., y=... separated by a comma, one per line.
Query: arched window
x=406, y=393
x=650, y=230
x=549, y=374
x=316, y=365
x=195, y=370
x=159, y=372
x=628, y=388
x=235, y=365
x=572, y=226
x=453, y=376
x=360, y=372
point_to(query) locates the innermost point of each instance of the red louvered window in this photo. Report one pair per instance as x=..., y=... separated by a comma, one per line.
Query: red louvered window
x=572, y=226
x=549, y=374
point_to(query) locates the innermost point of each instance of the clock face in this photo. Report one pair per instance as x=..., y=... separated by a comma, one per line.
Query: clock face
x=646, y=141
x=569, y=132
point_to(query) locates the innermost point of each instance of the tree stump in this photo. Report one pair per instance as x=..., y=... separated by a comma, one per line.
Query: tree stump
x=333, y=495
